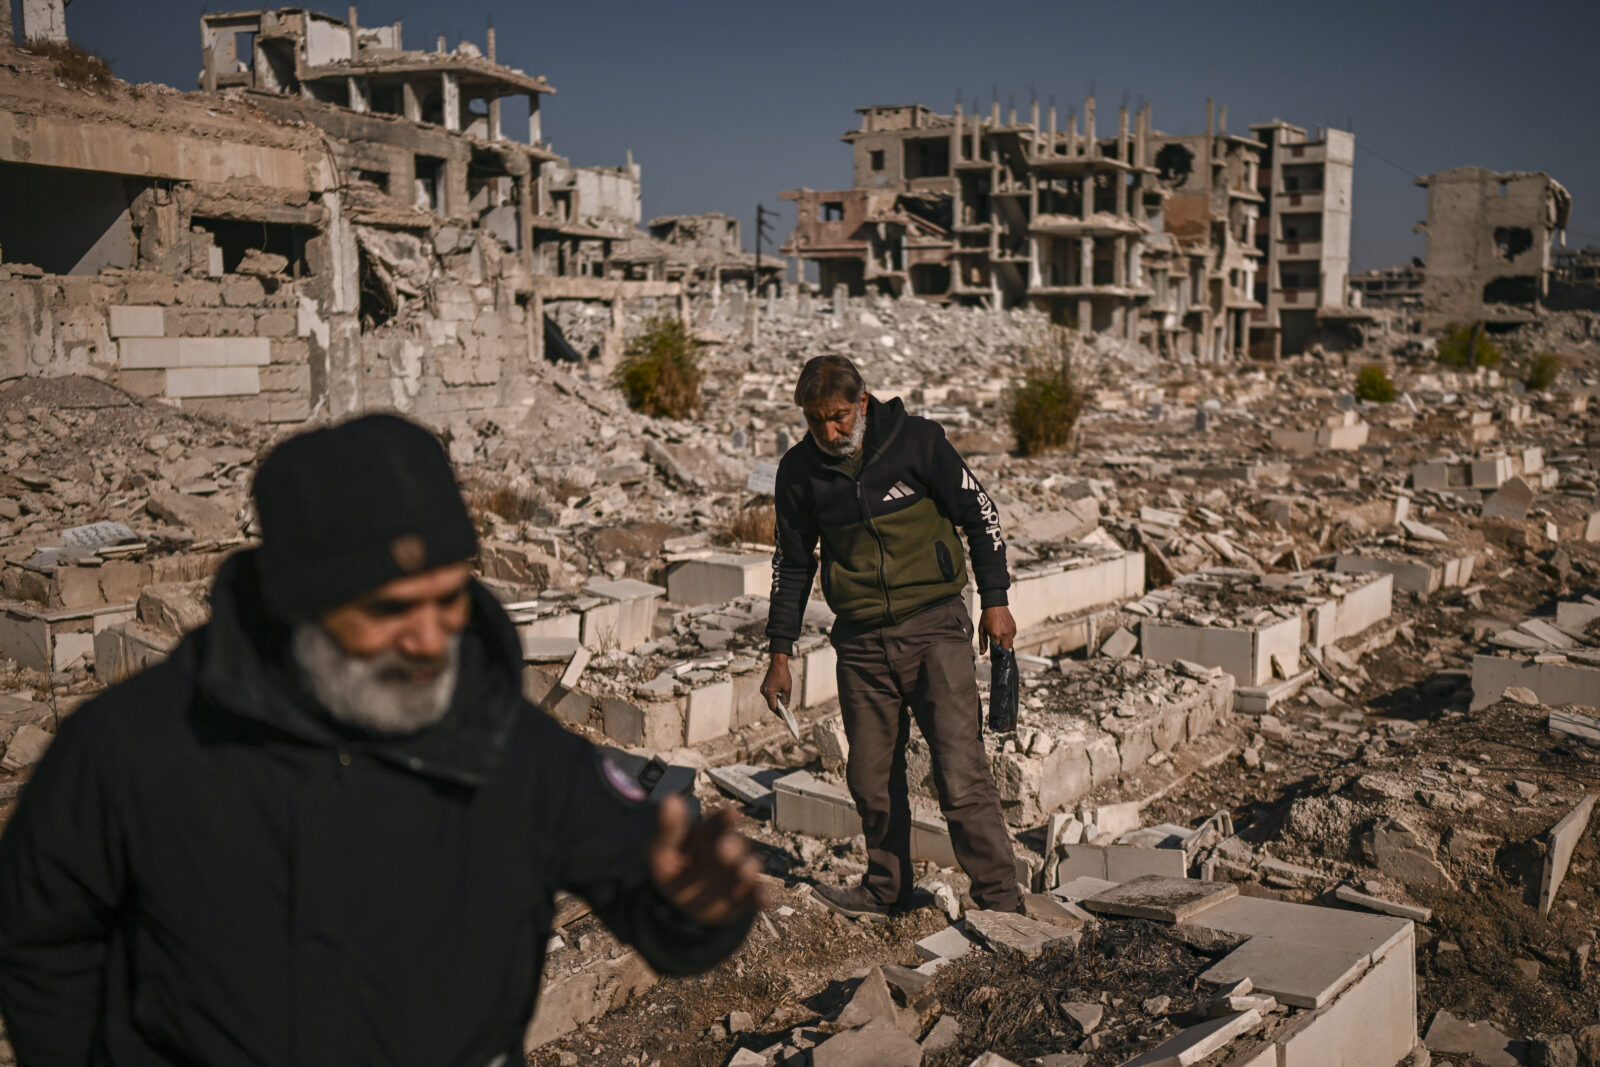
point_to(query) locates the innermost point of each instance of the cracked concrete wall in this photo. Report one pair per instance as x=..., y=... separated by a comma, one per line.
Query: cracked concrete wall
x=1473, y=216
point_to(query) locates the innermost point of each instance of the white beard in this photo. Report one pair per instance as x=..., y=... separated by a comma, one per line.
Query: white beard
x=373, y=693
x=847, y=446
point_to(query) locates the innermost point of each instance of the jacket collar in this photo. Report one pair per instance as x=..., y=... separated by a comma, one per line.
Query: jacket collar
x=244, y=669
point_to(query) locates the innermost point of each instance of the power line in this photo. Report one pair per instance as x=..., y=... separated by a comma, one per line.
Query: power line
x=1397, y=166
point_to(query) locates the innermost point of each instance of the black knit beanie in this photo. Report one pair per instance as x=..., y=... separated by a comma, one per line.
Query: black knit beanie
x=347, y=508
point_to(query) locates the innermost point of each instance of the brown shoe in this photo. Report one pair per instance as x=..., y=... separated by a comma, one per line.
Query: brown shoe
x=853, y=902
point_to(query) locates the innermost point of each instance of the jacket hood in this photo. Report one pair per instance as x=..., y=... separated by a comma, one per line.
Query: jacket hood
x=244, y=668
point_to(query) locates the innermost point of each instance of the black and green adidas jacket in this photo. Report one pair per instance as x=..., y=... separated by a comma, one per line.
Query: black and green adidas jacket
x=889, y=542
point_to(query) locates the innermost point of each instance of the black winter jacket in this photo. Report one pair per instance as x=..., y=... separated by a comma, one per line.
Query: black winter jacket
x=889, y=535
x=205, y=869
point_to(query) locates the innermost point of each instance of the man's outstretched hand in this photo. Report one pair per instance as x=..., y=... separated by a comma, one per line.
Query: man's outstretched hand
x=706, y=869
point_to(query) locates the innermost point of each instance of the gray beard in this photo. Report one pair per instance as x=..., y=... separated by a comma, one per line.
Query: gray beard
x=372, y=693
x=848, y=446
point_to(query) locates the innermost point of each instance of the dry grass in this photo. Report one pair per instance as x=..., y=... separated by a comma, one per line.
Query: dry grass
x=74, y=65
x=756, y=523
x=510, y=504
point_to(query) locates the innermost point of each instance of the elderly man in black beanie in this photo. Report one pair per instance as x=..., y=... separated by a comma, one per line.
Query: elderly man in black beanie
x=328, y=829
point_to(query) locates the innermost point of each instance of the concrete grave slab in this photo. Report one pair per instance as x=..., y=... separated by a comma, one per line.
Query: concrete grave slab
x=1017, y=936
x=949, y=943
x=1480, y=1040
x=1298, y=974
x=879, y=1043
x=1195, y=1043
x=1563, y=838
x=1161, y=899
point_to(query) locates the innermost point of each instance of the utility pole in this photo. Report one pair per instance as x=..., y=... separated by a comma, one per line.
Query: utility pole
x=762, y=214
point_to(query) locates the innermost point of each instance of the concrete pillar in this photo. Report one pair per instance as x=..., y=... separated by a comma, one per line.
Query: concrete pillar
x=452, y=101
x=360, y=96
x=208, y=56
x=350, y=21
x=1119, y=260
x=535, y=127
x=1122, y=136
x=409, y=102
x=494, y=117
x=44, y=20
x=1051, y=142
x=1086, y=261
x=1085, y=315
x=526, y=209
x=536, y=329
x=1135, y=268
x=1089, y=146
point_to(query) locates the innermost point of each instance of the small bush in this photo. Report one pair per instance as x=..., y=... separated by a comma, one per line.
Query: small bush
x=74, y=65
x=1373, y=385
x=1045, y=406
x=660, y=372
x=1453, y=349
x=510, y=504
x=1543, y=370
x=756, y=523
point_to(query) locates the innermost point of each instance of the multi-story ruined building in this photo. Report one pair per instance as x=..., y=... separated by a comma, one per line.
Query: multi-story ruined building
x=336, y=223
x=1489, y=244
x=701, y=251
x=1145, y=235
x=1303, y=233
x=1397, y=288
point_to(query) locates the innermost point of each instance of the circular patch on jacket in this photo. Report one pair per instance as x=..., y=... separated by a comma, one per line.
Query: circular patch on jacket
x=620, y=781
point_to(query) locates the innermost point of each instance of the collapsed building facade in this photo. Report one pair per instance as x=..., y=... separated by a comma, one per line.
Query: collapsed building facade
x=1489, y=245
x=1183, y=242
x=335, y=223
x=703, y=252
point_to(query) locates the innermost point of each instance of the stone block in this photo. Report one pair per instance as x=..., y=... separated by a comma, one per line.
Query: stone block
x=286, y=378
x=569, y=999
x=1364, y=607
x=26, y=748
x=212, y=381
x=130, y=321
x=657, y=725
x=1411, y=577
x=148, y=353
x=1195, y=1043
x=123, y=651
x=1301, y=975
x=1562, y=839
x=719, y=578
x=821, y=682
x=1511, y=501
x=1016, y=936
x=1124, y=863
x=807, y=806
x=710, y=712
x=949, y=944
x=288, y=408
x=1552, y=683
x=279, y=322
x=1245, y=653
x=1162, y=899
x=879, y=1043
x=1373, y=1021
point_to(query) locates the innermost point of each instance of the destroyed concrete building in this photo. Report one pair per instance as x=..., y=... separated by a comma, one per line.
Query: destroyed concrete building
x=702, y=252
x=1489, y=245
x=1304, y=234
x=335, y=223
x=1397, y=288
x=1200, y=246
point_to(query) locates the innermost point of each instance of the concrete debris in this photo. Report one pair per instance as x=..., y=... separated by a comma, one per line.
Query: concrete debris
x=1560, y=843
x=1480, y=1040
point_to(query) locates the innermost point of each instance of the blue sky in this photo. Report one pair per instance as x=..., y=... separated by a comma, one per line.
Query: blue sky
x=724, y=104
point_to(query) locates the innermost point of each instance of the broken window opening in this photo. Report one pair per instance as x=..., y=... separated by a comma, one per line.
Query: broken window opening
x=1174, y=163
x=333, y=91
x=279, y=75
x=1503, y=187
x=236, y=237
x=244, y=51
x=430, y=184
x=67, y=221
x=387, y=99
x=380, y=301
x=831, y=211
x=1511, y=241
x=930, y=279
x=927, y=157
x=1520, y=289
x=380, y=178
x=876, y=159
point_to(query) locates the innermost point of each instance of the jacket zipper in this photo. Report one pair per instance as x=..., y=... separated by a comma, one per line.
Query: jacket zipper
x=883, y=578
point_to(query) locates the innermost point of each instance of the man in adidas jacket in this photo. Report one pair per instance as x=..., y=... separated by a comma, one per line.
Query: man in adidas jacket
x=884, y=492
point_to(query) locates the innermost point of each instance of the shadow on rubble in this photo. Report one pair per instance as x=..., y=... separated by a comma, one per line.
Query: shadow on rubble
x=1425, y=699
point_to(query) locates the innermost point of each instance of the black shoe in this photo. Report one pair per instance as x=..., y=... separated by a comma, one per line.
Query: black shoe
x=853, y=902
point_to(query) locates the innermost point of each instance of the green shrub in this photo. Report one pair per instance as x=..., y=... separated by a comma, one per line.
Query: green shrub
x=1045, y=405
x=1372, y=384
x=1543, y=369
x=1454, y=349
x=660, y=372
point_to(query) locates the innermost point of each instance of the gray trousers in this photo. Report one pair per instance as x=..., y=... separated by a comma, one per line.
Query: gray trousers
x=921, y=668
